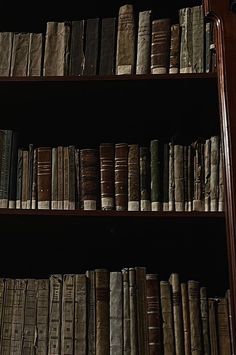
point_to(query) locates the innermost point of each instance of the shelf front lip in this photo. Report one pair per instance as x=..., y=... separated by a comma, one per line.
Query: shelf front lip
x=178, y=76
x=114, y=214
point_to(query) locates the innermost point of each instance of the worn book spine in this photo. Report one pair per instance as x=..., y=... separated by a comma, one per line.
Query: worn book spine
x=42, y=314
x=89, y=170
x=143, y=43
x=185, y=175
x=204, y=320
x=18, y=317
x=208, y=30
x=13, y=170
x=179, y=177
x=228, y=297
x=167, y=318
x=153, y=314
x=80, y=317
x=54, y=338
x=198, y=162
x=171, y=178
x=66, y=178
x=190, y=178
x=91, y=46
x=5, y=169
x=195, y=317
x=116, y=335
x=25, y=179
x=214, y=179
x=102, y=311
x=133, y=178
x=34, y=181
x=121, y=176
x=71, y=152
x=197, y=39
x=212, y=302
x=28, y=344
x=54, y=187
x=20, y=52
x=133, y=312
x=35, y=56
x=7, y=315
x=91, y=313
x=174, y=48
x=60, y=177
x=207, y=175
x=221, y=180
x=67, y=322
x=186, y=43
x=2, y=289
x=19, y=178
x=77, y=48
x=125, y=49
x=6, y=40
x=126, y=346
x=107, y=50
x=177, y=313
x=156, y=175
x=44, y=172
x=77, y=178
x=145, y=179
x=30, y=173
x=223, y=327
x=160, y=47
x=107, y=171
x=186, y=320
x=165, y=177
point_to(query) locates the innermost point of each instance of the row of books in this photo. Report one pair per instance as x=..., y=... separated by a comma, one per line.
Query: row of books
x=122, y=176
x=94, y=46
x=115, y=313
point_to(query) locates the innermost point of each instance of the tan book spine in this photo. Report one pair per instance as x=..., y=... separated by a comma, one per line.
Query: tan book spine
x=174, y=48
x=177, y=313
x=133, y=178
x=143, y=43
x=195, y=317
x=44, y=172
x=204, y=319
x=60, y=177
x=34, y=67
x=197, y=39
x=167, y=318
x=133, y=312
x=6, y=39
x=125, y=50
x=223, y=327
x=102, y=311
x=54, y=187
x=186, y=44
x=67, y=324
x=80, y=334
x=116, y=335
x=20, y=52
x=7, y=314
x=54, y=332
x=126, y=313
x=42, y=314
x=91, y=313
x=186, y=320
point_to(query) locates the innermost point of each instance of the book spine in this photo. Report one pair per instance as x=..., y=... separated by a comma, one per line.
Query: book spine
x=221, y=180
x=179, y=177
x=198, y=176
x=107, y=51
x=89, y=170
x=174, y=48
x=44, y=172
x=143, y=43
x=7, y=314
x=213, y=326
x=160, y=47
x=77, y=57
x=207, y=168
x=186, y=44
x=195, y=317
x=107, y=156
x=25, y=179
x=156, y=176
x=71, y=177
x=35, y=55
x=77, y=178
x=171, y=178
x=91, y=313
x=2, y=289
x=80, y=334
x=133, y=312
x=42, y=315
x=186, y=320
x=121, y=176
x=197, y=39
x=19, y=178
x=54, y=187
x=13, y=171
x=6, y=166
x=167, y=318
x=60, y=177
x=67, y=323
x=223, y=327
x=145, y=183
x=20, y=52
x=126, y=313
x=54, y=338
x=165, y=181
x=116, y=313
x=133, y=178
x=30, y=173
x=91, y=46
x=66, y=178
x=34, y=182
x=6, y=40
x=204, y=320
x=214, y=179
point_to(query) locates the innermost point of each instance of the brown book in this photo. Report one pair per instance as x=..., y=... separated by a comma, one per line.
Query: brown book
x=174, y=49
x=107, y=170
x=126, y=346
x=195, y=317
x=133, y=178
x=143, y=43
x=223, y=327
x=145, y=179
x=167, y=318
x=121, y=176
x=153, y=314
x=44, y=171
x=60, y=177
x=204, y=319
x=186, y=320
x=133, y=312
x=213, y=326
x=91, y=46
x=107, y=51
x=89, y=177
x=160, y=47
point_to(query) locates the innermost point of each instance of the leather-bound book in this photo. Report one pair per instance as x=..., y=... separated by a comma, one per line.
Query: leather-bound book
x=186, y=43
x=204, y=320
x=165, y=177
x=7, y=316
x=5, y=168
x=13, y=170
x=91, y=313
x=107, y=50
x=179, y=177
x=67, y=322
x=145, y=182
x=214, y=179
x=195, y=317
x=125, y=50
x=212, y=304
x=133, y=178
x=6, y=40
x=144, y=43
x=55, y=301
x=35, y=57
x=167, y=318
x=126, y=312
x=116, y=323
x=198, y=32
x=20, y=52
x=160, y=47
x=223, y=327
x=133, y=311
x=44, y=172
x=76, y=66
x=89, y=173
x=186, y=321
x=91, y=46
x=107, y=171
x=174, y=48
x=156, y=175
x=80, y=317
x=121, y=176
x=60, y=178
x=42, y=315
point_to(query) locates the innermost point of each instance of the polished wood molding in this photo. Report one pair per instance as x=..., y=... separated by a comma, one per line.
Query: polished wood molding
x=225, y=23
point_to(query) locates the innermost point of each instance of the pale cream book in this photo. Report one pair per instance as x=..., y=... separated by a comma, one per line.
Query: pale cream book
x=20, y=52
x=6, y=40
x=35, y=56
x=116, y=313
x=7, y=316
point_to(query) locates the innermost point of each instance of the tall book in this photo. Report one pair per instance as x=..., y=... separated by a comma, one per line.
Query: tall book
x=179, y=177
x=145, y=182
x=116, y=313
x=212, y=303
x=126, y=346
x=13, y=170
x=67, y=322
x=44, y=172
x=186, y=44
x=125, y=50
x=42, y=314
x=20, y=53
x=5, y=168
x=186, y=320
x=156, y=175
x=198, y=31
x=76, y=66
x=160, y=48
x=133, y=312
x=35, y=56
x=80, y=316
x=91, y=46
x=174, y=48
x=167, y=318
x=195, y=317
x=204, y=320
x=7, y=316
x=91, y=313
x=133, y=178
x=107, y=170
x=214, y=178
x=223, y=327
x=107, y=49
x=6, y=40
x=121, y=176
x=89, y=178
x=54, y=338
x=143, y=43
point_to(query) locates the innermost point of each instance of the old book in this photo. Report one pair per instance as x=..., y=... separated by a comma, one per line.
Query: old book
x=198, y=176
x=44, y=172
x=143, y=43
x=156, y=175
x=28, y=343
x=107, y=49
x=67, y=322
x=171, y=178
x=126, y=312
x=204, y=319
x=174, y=48
x=30, y=178
x=42, y=314
x=116, y=335
x=5, y=168
x=213, y=326
x=35, y=56
x=66, y=178
x=20, y=53
x=56, y=55
x=54, y=180
x=91, y=313
x=107, y=178
x=186, y=44
x=54, y=330
x=121, y=176
x=197, y=39
x=18, y=317
x=190, y=178
x=223, y=327
x=167, y=318
x=179, y=177
x=207, y=175
x=2, y=287
x=125, y=49
x=228, y=297
x=185, y=176
x=6, y=40
x=60, y=177
x=102, y=311
x=71, y=152
x=13, y=170
x=214, y=178
x=89, y=178
x=133, y=178
x=25, y=179
x=80, y=317
x=195, y=317
x=34, y=181
x=160, y=47
x=153, y=314
x=19, y=174
x=142, y=310
x=165, y=177
x=77, y=48
x=91, y=46
x=133, y=312
x=186, y=320
x=221, y=180
x=207, y=50
x=145, y=179
x=7, y=315
x=177, y=313
x=77, y=178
